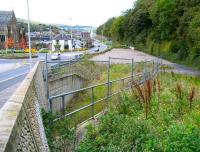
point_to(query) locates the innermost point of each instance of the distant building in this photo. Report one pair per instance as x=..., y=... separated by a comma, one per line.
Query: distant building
x=61, y=42
x=85, y=35
x=86, y=38
x=9, y=28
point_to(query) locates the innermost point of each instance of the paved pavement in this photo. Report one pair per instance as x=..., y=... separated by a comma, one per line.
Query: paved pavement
x=140, y=57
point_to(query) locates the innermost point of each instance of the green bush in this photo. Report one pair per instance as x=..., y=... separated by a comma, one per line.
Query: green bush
x=171, y=125
x=120, y=131
x=184, y=138
x=59, y=135
x=175, y=46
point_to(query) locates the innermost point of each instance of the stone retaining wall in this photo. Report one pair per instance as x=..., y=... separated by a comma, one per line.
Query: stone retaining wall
x=21, y=127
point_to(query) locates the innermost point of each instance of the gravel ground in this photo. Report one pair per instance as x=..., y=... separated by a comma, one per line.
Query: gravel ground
x=127, y=54
x=141, y=57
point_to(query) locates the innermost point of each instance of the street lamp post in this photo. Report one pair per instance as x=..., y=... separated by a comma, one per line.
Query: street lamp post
x=71, y=36
x=50, y=30
x=5, y=33
x=29, y=35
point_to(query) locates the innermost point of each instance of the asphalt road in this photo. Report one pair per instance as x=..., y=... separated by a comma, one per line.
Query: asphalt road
x=12, y=81
x=11, y=77
x=13, y=73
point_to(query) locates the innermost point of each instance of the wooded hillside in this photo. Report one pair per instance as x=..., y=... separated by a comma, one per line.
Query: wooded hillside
x=170, y=28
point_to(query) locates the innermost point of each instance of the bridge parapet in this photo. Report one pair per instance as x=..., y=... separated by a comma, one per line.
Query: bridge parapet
x=21, y=127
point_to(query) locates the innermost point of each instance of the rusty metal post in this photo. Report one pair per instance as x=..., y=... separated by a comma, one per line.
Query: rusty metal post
x=108, y=91
x=63, y=104
x=92, y=101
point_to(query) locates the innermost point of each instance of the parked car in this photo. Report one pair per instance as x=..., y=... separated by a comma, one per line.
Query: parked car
x=78, y=56
x=55, y=56
x=44, y=49
x=96, y=49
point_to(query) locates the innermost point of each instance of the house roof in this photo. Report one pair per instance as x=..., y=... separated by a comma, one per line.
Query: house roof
x=5, y=17
x=62, y=37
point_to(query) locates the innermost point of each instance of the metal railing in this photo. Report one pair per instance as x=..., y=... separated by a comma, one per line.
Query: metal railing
x=126, y=84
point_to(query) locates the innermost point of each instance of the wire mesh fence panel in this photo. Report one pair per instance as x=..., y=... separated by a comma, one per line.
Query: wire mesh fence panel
x=104, y=80
x=79, y=90
x=90, y=70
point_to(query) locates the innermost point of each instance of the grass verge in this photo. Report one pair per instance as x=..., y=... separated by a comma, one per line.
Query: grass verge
x=16, y=56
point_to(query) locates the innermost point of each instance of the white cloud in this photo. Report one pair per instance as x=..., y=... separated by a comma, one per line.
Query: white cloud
x=84, y=12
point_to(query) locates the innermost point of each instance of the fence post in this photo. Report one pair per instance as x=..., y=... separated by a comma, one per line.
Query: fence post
x=158, y=63
x=47, y=84
x=132, y=70
x=70, y=70
x=92, y=100
x=50, y=105
x=157, y=67
x=123, y=83
x=145, y=71
x=63, y=104
x=110, y=88
x=153, y=69
x=75, y=138
x=108, y=91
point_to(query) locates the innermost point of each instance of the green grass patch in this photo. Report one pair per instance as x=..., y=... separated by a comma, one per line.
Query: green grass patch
x=16, y=55
x=166, y=67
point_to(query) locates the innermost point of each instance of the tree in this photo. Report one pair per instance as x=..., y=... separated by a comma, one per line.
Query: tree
x=9, y=43
x=105, y=29
x=23, y=43
x=159, y=26
x=117, y=30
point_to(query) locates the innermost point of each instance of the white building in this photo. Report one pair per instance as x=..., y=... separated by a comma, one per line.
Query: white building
x=92, y=34
x=61, y=42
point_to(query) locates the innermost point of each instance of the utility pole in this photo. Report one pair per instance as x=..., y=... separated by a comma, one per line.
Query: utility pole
x=29, y=35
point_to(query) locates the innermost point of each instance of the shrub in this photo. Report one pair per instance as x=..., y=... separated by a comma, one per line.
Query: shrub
x=120, y=133
x=59, y=134
x=175, y=46
x=184, y=138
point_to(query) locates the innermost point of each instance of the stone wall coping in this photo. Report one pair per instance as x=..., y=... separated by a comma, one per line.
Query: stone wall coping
x=11, y=109
x=57, y=77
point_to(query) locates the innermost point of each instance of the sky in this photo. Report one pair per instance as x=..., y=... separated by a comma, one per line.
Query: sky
x=82, y=12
